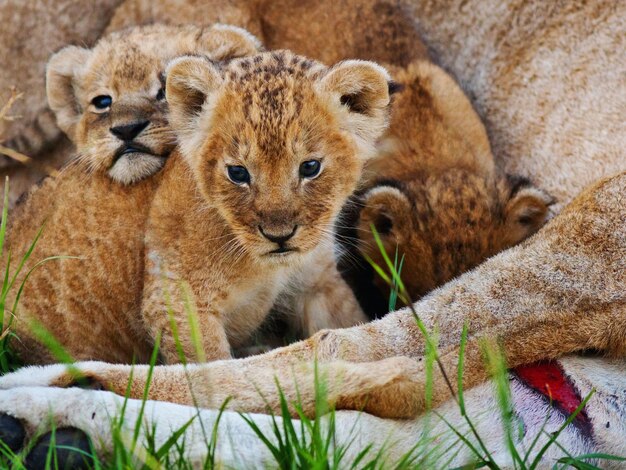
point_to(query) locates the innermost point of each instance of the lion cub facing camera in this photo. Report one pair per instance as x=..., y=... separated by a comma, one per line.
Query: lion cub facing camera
x=270, y=148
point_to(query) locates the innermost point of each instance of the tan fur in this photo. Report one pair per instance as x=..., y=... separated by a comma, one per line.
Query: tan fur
x=326, y=30
x=269, y=113
x=128, y=68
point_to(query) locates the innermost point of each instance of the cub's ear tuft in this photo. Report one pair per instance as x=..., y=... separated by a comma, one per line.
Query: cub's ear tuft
x=527, y=209
x=386, y=208
x=224, y=42
x=62, y=70
x=189, y=82
x=360, y=89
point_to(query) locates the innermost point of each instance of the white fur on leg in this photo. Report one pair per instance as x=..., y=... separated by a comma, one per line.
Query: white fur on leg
x=34, y=376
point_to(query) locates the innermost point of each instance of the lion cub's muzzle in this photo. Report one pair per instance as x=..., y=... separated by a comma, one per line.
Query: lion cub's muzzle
x=127, y=133
x=280, y=238
x=143, y=146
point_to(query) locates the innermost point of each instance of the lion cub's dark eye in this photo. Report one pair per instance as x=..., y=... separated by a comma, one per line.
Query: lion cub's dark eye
x=160, y=94
x=310, y=168
x=102, y=101
x=238, y=174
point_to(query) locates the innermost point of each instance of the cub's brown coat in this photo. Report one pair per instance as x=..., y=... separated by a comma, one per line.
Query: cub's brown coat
x=435, y=193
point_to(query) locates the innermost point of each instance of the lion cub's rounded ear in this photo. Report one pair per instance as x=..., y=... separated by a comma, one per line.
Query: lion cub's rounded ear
x=61, y=72
x=189, y=82
x=224, y=42
x=386, y=208
x=527, y=209
x=362, y=90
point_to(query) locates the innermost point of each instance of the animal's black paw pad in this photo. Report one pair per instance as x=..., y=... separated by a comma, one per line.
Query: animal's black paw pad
x=12, y=433
x=72, y=450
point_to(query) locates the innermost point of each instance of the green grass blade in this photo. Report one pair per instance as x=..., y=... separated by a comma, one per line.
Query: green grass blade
x=210, y=463
x=146, y=390
x=383, y=252
x=5, y=214
x=30, y=271
x=173, y=439
x=49, y=341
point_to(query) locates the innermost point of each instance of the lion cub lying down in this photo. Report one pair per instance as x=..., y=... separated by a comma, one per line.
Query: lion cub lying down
x=271, y=147
x=433, y=194
x=110, y=100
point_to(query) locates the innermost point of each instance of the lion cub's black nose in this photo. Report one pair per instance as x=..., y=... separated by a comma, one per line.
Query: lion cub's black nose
x=129, y=131
x=278, y=238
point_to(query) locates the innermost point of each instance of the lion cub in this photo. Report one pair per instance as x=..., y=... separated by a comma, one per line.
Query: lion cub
x=270, y=148
x=110, y=100
x=434, y=194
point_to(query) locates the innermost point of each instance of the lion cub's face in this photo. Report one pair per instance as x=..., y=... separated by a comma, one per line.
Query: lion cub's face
x=277, y=142
x=110, y=100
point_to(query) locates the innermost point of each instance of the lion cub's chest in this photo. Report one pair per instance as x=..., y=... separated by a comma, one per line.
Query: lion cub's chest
x=188, y=241
x=247, y=303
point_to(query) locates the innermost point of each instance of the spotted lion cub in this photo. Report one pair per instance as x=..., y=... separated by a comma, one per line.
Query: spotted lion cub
x=110, y=100
x=271, y=146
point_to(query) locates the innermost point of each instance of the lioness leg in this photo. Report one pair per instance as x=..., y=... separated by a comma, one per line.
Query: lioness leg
x=600, y=428
x=562, y=290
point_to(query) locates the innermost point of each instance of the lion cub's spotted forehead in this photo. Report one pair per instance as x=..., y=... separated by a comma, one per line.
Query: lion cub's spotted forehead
x=126, y=61
x=272, y=89
x=135, y=58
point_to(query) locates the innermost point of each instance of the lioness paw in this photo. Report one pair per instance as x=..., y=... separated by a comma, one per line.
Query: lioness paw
x=34, y=418
x=57, y=375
